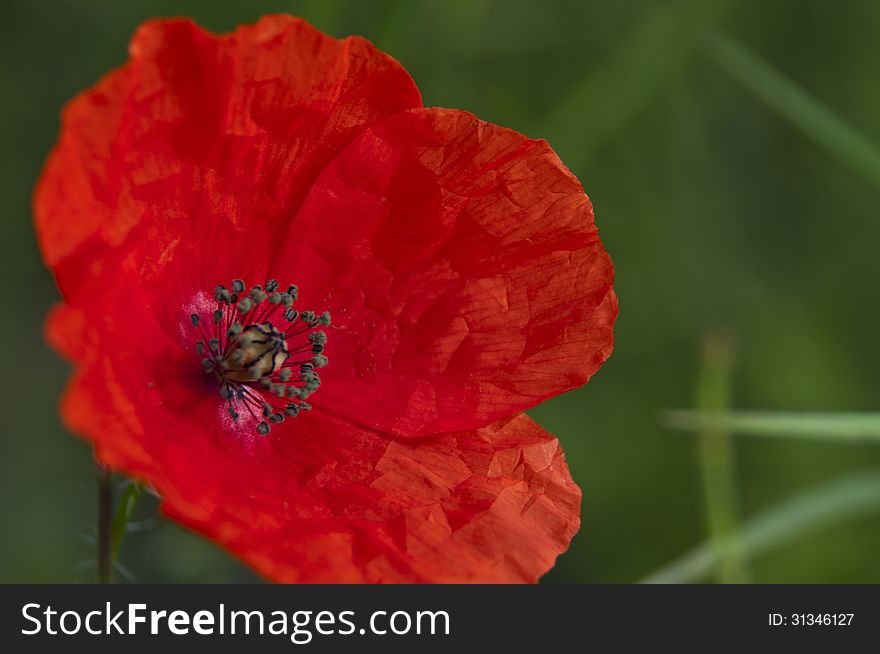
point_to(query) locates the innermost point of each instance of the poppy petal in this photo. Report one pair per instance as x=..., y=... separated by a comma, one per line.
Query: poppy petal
x=192, y=112
x=459, y=260
x=463, y=270
x=65, y=330
x=323, y=500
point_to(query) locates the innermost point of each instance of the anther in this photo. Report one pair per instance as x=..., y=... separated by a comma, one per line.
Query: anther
x=312, y=380
x=222, y=295
x=294, y=393
x=245, y=305
x=319, y=361
x=250, y=361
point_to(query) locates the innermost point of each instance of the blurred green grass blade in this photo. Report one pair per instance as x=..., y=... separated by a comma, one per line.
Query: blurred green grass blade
x=614, y=90
x=835, y=427
x=716, y=456
x=810, y=511
x=798, y=107
x=124, y=510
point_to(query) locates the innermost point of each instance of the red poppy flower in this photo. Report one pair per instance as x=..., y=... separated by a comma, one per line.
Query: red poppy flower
x=459, y=261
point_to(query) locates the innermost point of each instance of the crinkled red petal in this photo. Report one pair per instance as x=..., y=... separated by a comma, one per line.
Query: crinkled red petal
x=201, y=133
x=459, y=260
x=323, y=500
x=463, y=270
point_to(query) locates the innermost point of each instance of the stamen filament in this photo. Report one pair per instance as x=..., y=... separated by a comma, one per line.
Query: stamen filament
x=250, y=356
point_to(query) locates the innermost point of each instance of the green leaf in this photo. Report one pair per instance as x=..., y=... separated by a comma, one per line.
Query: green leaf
x=810, y=511
x=124, y=510
x=835, y=427
x=796, y=106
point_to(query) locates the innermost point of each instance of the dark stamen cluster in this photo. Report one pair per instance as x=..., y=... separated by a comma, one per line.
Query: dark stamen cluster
x=262, y=351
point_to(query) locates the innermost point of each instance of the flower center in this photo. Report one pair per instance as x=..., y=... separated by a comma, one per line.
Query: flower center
x=261, y=351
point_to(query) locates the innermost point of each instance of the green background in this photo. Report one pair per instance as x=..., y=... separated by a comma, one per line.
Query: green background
x=719, y=208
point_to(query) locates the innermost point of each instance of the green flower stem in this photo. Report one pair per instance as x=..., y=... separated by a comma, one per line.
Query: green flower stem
x=105, y=518
x=716, y=459
x=122, y=516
